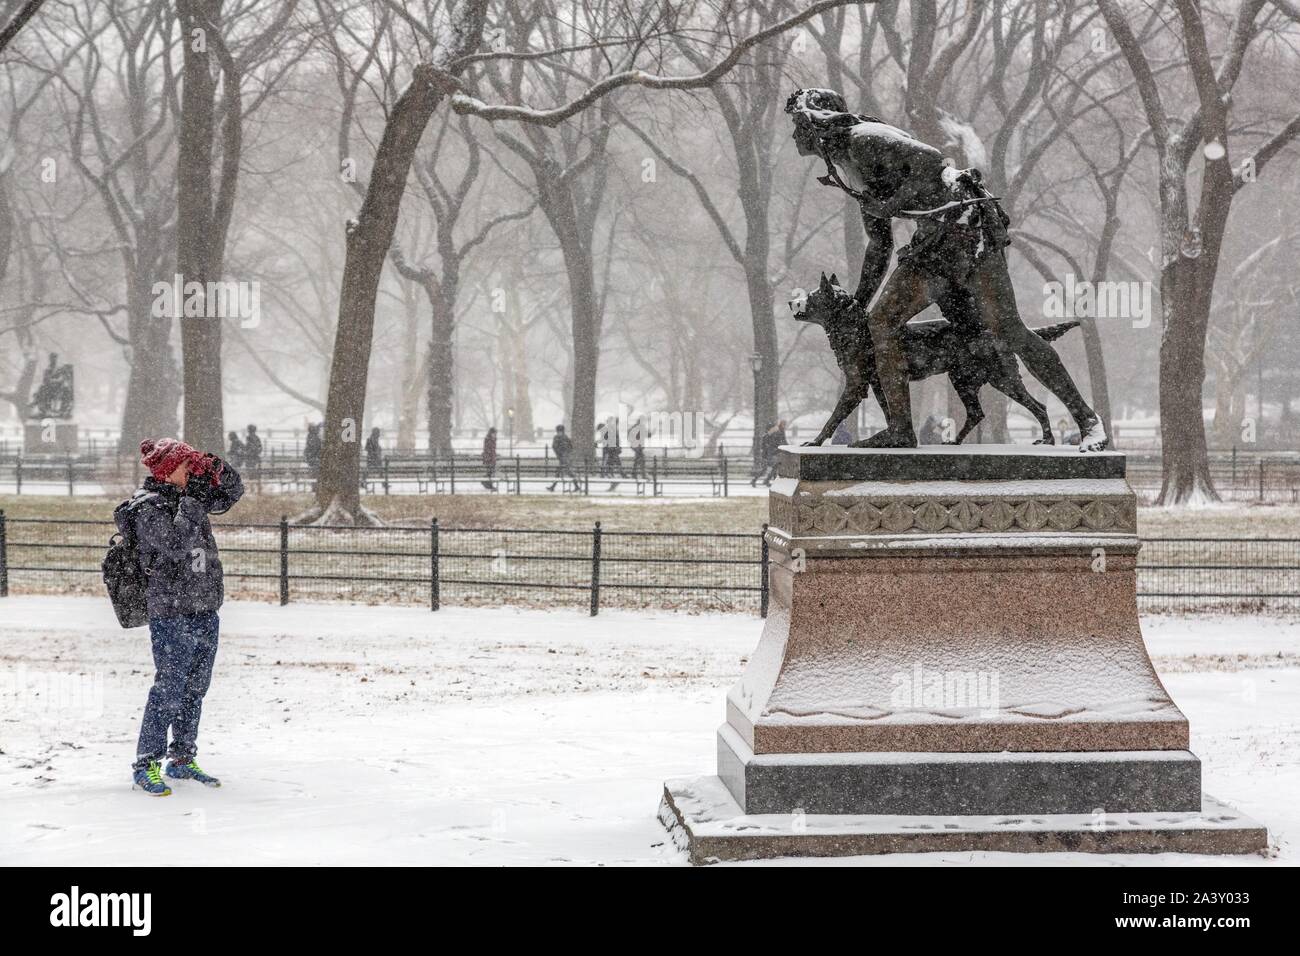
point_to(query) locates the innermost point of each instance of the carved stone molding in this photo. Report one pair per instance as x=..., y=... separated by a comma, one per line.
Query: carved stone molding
x=968, y=515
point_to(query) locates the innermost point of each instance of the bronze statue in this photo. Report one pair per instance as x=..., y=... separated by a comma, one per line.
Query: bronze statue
x=956, y=258
x=934, y=347
x=53, y=399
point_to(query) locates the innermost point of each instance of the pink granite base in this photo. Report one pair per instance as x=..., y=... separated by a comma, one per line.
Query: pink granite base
x=945, y=651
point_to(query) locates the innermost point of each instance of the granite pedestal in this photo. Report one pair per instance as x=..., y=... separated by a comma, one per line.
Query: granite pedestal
x=49, y=438
x=953, y=633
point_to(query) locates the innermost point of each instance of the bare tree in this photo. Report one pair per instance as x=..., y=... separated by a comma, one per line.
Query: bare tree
x=26, y=10
x=1191, y=236
x=369, y=237
x=1246, y=327
x=441, y=287
x=751, y=105
x=204, y=212
x=452, y=51
x=126, y=169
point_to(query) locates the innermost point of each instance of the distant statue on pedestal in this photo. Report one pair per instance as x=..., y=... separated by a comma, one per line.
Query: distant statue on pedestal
x=53, y=399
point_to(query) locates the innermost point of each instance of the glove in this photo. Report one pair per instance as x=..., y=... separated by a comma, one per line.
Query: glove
x=208, y=465
x=202, y=484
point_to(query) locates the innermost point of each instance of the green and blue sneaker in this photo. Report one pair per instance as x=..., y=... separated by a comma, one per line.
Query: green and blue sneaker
x=189, y=770
x=150, y=780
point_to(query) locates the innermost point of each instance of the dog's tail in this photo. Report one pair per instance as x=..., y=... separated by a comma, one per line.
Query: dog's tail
x=1050, y=333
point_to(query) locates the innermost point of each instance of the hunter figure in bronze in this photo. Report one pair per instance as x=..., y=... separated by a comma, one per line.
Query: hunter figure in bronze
x=956, y=258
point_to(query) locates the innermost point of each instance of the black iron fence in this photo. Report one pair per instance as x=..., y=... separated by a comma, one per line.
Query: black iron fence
x=425, y=565
x=654, y=475
x=594, y=568
x=1237, y=475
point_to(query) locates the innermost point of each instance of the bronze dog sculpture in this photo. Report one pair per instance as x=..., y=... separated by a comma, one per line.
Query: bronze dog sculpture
x=931, y=347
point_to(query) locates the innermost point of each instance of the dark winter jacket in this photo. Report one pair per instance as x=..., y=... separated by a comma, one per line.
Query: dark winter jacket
x=311, y=449
x=772, y=442
x=175, y=542
x=563, y=446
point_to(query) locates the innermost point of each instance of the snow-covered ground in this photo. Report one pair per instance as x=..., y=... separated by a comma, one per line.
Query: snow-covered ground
x=352, y=734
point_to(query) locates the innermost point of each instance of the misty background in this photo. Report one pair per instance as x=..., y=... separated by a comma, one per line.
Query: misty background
x=643, y=250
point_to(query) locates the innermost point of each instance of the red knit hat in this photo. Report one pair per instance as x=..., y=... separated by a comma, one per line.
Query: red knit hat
x=165, y=455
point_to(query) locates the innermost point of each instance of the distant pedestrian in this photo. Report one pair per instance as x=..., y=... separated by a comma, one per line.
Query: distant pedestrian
x=760, y=457
x=637, y=435
x=234, y=450
x=1069, y=433
x=842, y=434
x=490, y=459
x=771, y=446
x=611, y=452
x=252, y=450
x=931, y=432
x=374, y=451
x=312, y=448
x=562, y=445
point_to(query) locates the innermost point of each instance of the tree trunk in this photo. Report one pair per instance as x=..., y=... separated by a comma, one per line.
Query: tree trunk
x=369, y=238
x=22, y=330
x=763, y=318
x=513, y=346
x=767, y=378
x=153, y=383
x=994, y=426
x=442, y=380
x=1190, y=265
x=1097, y=384
x=414, y=373
x=200, y=334
x=1185, y=457
x=586, y=350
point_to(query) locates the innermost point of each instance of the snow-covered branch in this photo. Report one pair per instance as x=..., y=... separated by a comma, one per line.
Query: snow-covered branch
x=465, y=104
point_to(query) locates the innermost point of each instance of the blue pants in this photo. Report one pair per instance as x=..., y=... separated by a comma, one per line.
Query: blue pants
x=184, y=649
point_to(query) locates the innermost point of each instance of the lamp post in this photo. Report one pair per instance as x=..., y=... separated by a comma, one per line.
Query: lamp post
x=756, y=363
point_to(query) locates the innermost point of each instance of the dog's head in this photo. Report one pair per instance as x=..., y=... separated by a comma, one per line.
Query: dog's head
x=824, y=305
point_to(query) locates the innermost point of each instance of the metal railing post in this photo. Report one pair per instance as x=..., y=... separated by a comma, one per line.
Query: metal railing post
x=762, y=582
x=70, y=477
x=595, y=569
x=518, y=484
x=724, y=477
x=385, y=474
x=4, y=556
x=435, y=585
x=284, y=560
x=18, y=475
x=452, y=472
x=654, y=475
